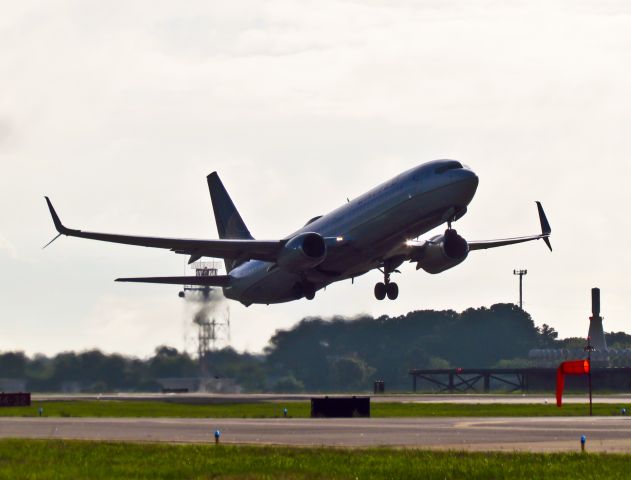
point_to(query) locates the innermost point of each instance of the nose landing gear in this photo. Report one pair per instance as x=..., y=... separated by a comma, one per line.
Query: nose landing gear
x=309, y=291
x=387, y=288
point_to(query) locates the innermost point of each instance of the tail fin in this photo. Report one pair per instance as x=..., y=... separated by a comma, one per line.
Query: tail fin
x=230, y=225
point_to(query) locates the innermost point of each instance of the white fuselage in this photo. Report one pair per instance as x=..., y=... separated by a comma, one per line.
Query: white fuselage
x=369, y=228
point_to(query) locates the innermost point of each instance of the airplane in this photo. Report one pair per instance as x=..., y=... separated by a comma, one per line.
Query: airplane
x=373, y=231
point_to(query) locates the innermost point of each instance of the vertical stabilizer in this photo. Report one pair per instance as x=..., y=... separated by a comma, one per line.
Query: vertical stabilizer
x=230, y=225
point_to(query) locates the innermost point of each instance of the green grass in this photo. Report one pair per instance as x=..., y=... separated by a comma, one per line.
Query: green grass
x=115, y=408
x=60, y=459
x=491, y=410
x=148, y=409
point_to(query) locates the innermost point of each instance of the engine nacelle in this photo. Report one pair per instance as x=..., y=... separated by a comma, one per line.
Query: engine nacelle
x=304, y=251
x=444, y=252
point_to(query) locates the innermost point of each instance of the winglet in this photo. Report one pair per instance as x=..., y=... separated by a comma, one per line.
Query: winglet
x=545, y=225
x=58, y=225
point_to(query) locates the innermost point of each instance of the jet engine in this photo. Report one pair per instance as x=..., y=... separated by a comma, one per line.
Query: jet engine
x=302, y=252
x=443, y=252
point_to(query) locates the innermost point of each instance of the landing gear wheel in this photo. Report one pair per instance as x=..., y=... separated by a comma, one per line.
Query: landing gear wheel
x=380, y=291
x=392, y=290
x=310, y=293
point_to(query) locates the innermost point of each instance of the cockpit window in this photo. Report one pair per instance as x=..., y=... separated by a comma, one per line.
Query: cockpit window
x=313, y=220
x=451, y=165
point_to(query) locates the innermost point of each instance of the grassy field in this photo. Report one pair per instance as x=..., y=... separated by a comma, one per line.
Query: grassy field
x=60, y=459
x=114, y=408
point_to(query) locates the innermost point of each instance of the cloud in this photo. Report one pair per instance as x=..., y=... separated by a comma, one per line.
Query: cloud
x=8, y=248
x=121, y=109
x=134, y=323
x=6, y=133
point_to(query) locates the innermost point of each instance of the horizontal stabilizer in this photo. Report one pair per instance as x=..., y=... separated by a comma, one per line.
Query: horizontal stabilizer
x=204, y=281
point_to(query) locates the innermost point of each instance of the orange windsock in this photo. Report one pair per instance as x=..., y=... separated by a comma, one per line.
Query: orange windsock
x=573, y=367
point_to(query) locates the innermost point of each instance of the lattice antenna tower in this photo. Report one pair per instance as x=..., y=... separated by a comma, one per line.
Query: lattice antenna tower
x=213, y=324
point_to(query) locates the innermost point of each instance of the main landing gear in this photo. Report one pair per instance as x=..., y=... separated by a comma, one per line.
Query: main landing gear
x=388, y=288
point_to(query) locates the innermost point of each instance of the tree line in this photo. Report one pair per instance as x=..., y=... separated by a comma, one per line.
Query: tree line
x=317, y=354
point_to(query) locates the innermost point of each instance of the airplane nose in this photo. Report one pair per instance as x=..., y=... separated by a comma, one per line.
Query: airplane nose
x=469, y=176
x=474, y=178
x=470, y=180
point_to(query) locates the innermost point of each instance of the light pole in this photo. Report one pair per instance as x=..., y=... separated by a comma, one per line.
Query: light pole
x=521, y=274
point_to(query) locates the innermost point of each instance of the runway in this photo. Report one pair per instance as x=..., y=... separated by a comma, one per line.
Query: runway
x=604, y=434
x=206, y=398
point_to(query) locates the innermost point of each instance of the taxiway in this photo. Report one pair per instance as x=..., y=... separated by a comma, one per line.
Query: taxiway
x=610, y=434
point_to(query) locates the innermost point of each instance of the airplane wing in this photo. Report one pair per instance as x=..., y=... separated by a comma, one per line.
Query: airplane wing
x=234, y=249
x=545, y=234
x=415, y=250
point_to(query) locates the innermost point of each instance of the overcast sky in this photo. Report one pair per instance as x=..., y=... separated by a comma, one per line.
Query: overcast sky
x=118, y=111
